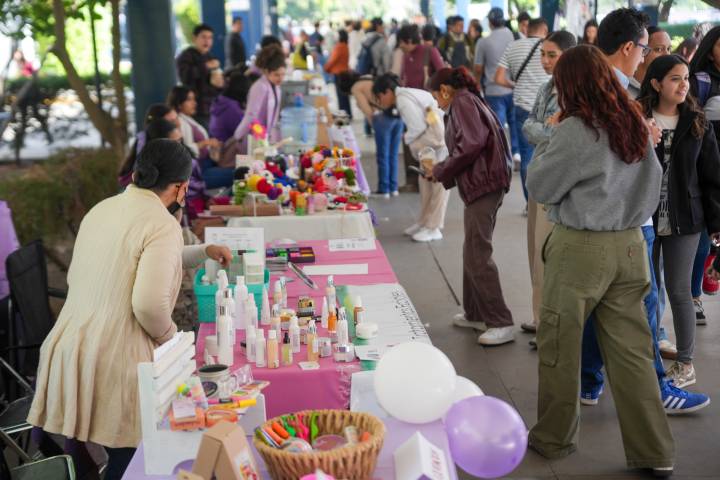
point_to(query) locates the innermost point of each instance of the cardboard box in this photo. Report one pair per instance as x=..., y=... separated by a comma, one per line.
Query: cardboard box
x=185, y=475
x=418, y=459
x=225, y=453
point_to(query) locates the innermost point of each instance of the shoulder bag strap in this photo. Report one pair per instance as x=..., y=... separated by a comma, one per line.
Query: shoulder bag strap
x=527, y=60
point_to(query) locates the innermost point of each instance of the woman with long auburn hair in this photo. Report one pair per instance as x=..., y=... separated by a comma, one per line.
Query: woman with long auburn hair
x=598, y=178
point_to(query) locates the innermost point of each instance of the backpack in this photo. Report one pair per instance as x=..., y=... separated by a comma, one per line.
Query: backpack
x=704, y=84
x=366, y=64
x=456, y=52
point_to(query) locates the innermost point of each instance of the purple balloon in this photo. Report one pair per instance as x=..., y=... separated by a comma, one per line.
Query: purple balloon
x=487, y=436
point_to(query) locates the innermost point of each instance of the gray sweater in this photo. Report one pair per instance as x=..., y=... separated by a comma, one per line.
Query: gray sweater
x=586, y=186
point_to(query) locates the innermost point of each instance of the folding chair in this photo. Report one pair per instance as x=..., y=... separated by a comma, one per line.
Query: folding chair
x=54, y=468
x=30, y=316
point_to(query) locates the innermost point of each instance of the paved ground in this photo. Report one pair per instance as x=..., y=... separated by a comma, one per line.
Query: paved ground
x=432, y=275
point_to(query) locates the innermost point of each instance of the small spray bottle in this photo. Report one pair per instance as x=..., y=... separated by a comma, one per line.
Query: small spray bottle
x=265, y=309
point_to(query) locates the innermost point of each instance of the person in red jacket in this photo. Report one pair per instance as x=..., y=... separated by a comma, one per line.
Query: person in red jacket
x=479, y=164
x=338, y=63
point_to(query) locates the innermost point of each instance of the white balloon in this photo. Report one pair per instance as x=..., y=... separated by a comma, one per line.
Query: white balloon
x=415, y=382
x=465, y=388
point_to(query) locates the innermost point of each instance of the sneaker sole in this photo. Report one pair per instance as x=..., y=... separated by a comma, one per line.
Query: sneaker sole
x=478, y=328
x=589, y=402
x=686, y=384
x=528, y=328
x=495, y=343
x=682, y=411
x=701, y=321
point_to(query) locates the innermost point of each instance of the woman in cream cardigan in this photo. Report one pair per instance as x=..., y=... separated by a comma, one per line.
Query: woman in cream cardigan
x=123, y=283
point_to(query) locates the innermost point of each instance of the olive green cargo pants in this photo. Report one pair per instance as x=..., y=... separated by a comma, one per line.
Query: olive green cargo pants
x=605, y=272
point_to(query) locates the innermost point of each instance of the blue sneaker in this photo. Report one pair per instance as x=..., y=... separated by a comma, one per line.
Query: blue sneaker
x=590, y=396
x=677, y=401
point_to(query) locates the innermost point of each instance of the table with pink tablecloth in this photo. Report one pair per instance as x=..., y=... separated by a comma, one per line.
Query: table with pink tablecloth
x=292, y=389
x=397, y=433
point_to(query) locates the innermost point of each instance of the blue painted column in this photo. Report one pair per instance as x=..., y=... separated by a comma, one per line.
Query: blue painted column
x=548, y=9
x=425, y=8
x=150, y=24
x=439, y=13
x=258, y=10
x=462, y=10
x=212, y=12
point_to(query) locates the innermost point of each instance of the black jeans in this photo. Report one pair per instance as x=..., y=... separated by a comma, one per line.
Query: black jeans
x=118, y=460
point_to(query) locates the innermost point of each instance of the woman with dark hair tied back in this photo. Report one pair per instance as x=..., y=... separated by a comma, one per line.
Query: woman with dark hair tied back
x=599, y=181
x=590, y=30
x=123, y=282
x=538, y=127
x=479, y=164
x=689, y=195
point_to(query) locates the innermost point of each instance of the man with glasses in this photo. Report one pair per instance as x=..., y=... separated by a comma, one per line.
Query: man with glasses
x=623, y=37
x=657, y=46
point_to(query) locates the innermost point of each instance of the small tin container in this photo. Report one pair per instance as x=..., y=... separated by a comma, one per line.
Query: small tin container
x=325, y=346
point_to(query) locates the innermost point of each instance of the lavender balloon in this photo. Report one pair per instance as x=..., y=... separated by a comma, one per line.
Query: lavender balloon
x=487, y=436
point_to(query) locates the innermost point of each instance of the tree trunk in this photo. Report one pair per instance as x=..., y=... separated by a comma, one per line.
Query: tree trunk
x=122, y=119
x=713, y=3
x=100, y=119
x=665, y=6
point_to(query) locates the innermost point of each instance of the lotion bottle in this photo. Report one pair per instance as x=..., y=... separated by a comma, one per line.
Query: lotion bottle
x=312, y=342
x=265, y=308
x=287, y=352
x=294, y=334
x=229, y=305
x=250, y=339
x=260, y=349
x=225, y=351
x=241, y=293
x=273, y=358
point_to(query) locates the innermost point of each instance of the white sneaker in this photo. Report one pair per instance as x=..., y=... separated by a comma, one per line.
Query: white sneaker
x=682, y=374
x=459, y=320
x=410, y=231
x=497, y=336
x=380, y=195
x=427, y=235
x=668, y=350
x=395, y=193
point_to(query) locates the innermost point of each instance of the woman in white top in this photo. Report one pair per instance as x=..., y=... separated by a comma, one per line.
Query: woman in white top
x=123, y=283
x=182, y=99
x=425, y=135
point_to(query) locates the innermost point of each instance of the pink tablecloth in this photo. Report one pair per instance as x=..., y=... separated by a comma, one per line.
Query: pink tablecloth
x=292, y=389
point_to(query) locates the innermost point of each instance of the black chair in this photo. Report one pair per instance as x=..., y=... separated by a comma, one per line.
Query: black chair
x=30, y=316
x=53, y=468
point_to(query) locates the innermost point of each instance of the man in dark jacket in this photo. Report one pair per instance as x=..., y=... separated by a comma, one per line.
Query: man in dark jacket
x=195, y=65
x=235, y=46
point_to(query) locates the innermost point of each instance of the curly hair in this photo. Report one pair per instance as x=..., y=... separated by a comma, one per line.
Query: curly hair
x=650, y=98
x=270, y=58
x=589, y=90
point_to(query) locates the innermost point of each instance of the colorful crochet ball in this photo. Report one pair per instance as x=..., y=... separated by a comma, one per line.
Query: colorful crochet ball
x=317, y=158
x=254, y=180
x=274, y=193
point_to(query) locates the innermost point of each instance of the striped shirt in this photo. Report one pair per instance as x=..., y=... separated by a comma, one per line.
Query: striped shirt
x=532, y=78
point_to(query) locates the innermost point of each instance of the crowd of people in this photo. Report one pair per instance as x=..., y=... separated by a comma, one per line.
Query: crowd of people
x=616, y=140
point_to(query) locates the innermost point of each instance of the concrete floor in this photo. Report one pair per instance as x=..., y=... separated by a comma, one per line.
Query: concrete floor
x=432, y=275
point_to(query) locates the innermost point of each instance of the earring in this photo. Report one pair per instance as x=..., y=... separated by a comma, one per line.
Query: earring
x=445, y=96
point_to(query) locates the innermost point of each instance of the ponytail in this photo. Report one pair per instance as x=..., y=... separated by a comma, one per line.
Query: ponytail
x=457, y=78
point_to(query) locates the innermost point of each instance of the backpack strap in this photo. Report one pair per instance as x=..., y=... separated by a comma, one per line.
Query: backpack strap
x=704, y=85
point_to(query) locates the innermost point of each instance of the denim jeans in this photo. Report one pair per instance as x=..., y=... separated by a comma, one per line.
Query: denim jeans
x=216, y=177
x=525, y=147
x=388, y=133
x=699, y=265
x=505, y=110
x=591, y=375
x=343, y=99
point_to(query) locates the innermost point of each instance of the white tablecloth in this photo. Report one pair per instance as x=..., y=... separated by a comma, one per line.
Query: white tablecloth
x=329, y=225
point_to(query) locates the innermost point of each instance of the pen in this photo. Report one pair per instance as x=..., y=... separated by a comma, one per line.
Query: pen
x=301, y=275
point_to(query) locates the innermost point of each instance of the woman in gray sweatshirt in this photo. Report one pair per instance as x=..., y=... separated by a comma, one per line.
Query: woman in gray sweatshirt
x=599, y=179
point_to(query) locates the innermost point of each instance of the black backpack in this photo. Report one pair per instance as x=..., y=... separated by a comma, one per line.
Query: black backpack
x=456, y=52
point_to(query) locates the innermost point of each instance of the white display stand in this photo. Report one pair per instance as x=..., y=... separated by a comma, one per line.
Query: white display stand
x=158, y=381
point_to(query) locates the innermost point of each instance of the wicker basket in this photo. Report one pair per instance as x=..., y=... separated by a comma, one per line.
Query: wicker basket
x=352, y=462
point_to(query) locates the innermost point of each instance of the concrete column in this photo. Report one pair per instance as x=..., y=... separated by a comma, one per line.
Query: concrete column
x=152, y=51
x=212, y=12
x=548, y=9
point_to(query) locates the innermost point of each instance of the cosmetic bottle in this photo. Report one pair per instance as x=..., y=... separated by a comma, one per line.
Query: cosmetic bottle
x=260, y=348
x=241, y=293
x=312, y=343
x=325, y=313
x=229, y=305
x=250, y=339
x=265, y=309
x=294, y=334
x=273, y=359
x=225, y=352
x=287, y=352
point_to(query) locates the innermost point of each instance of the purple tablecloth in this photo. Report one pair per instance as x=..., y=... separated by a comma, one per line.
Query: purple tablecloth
x=397, y=433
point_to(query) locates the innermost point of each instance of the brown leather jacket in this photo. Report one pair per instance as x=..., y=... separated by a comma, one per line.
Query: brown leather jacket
x=479, y=162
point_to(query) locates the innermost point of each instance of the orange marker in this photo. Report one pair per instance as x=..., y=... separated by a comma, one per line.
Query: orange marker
x=277, y=428
x=276, y=438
